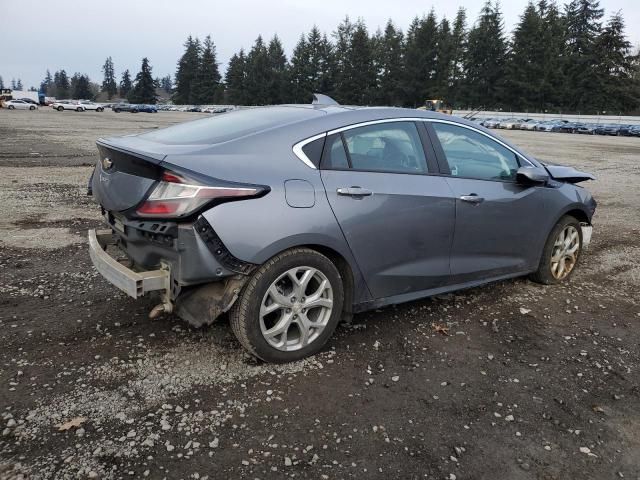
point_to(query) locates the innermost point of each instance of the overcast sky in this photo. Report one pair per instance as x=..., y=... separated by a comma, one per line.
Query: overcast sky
x=78, y=35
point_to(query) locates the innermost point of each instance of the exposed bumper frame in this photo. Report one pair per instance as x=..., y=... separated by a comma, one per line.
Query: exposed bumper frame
x=587, y=232
x=134, y=284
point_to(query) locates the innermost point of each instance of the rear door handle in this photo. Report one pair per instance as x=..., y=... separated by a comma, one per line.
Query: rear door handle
x=472, y=198
x=354, y=192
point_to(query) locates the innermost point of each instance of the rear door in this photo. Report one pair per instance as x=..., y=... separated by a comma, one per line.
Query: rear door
x=396, y=216
x=497, y=219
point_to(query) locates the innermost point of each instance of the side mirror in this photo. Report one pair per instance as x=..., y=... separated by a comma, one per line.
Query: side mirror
x=532, y=176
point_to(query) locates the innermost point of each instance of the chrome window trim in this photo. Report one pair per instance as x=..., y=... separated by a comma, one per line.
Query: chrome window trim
x=297, y=148
x=298, y=152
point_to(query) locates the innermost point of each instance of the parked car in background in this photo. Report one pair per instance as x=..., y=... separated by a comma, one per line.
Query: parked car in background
x=530, y=125
x=607, y=129
x=586, y=129
x=491, y=123
x=125, y=107
x=62, y=105
x=510, y=123
x=29, y=100
x=293, y=217
x=87, y=105
x=19, y=105
x=546, y=126
x=148, y=108
x=569, y=127
x=625, y=130
x=194, y=109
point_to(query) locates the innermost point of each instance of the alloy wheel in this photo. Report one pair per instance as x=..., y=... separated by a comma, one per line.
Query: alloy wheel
x=296, y=308
x=565, y=252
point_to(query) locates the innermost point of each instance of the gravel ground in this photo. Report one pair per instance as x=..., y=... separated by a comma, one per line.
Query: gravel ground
x=529, y=382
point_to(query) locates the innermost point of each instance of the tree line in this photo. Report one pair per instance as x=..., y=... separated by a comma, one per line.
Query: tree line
x=566, y=60
x=557, y=59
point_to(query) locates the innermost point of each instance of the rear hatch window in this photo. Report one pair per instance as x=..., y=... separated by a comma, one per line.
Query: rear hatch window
x=227, y=126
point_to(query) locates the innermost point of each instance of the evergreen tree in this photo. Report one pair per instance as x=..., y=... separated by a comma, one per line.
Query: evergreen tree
x=143, y=90
x=188, y=67
x=445, y=51
x=125, y=84
x=299, y=71
x=205, y=87
x=358, y=76
x=312, y=67
x=525, y=66
x=420, y=59
x=80, y=87
x=257, y=74
x=389, y=63
x=552, y=38
x=61, y=82
x=19, y=85
x=1, y=83
x=485, y=61
x=166, y=84
x=235, y=79
x=109, y=83
x=617, y=90
x=13, y=84
x=459, y=53
x=46, y=86
x=583, y=28
x=343, y=39
x=277, y=83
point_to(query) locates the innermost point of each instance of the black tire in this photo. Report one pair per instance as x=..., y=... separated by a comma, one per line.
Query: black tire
x=134, y=111
x=79, y=109
x=60, y=109
x=245, y=314
x=11, y=107
x=544, y=274
x=32, y=107
x=117, y=110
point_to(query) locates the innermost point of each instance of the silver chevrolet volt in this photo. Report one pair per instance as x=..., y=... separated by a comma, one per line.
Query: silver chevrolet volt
x=292, y=217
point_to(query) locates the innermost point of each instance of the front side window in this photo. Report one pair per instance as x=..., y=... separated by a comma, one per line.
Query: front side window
x=472, y=155
x=386, y=147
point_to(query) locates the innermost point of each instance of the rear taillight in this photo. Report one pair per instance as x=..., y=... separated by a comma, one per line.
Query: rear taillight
x=177, y=196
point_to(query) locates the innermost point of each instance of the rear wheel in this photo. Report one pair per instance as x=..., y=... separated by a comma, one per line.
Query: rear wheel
x=79, y=109
x=32, y=107
x=561, y=252
x=290, y=306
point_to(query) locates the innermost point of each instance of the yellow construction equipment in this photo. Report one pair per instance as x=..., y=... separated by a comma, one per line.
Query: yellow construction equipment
x=436, y=105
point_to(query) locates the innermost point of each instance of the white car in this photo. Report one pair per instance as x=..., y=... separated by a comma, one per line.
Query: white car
x=67, y=105
x=530, y=125
x=510, y=124
x=92, y=106
x=19, y=105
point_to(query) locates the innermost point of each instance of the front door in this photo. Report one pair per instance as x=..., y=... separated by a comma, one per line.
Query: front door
x=497, y=219
x=397, y=219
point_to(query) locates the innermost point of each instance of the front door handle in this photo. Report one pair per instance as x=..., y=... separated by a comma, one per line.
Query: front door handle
x=472, y=198
x=354, y=192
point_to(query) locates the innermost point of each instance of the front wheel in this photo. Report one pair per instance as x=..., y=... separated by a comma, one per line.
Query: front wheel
x=32, y=107
x=561, y=252
x=11, y=107
x=290, y=307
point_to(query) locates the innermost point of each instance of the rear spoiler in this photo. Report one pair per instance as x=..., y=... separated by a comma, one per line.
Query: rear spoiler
x=568, y=174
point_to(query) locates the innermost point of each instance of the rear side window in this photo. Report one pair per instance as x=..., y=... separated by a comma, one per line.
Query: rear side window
x=470, y=154
x=335, y=157
x=386, y=147
x=227, y=126
x=313, y=150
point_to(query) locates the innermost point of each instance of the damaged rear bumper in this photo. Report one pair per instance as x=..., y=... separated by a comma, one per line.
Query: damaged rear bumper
x=134, y=284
